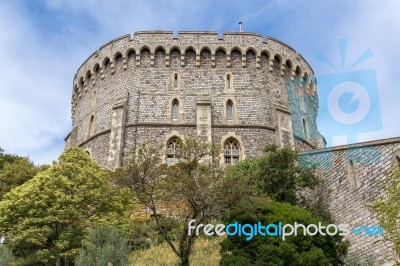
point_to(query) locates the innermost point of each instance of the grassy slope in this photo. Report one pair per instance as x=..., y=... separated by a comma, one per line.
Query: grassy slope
x=205, y=253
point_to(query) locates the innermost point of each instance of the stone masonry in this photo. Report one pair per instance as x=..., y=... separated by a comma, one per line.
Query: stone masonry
x=243, y=89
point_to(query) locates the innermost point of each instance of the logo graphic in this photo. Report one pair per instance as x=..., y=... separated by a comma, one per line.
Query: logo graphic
x=348, y=100
x=348, y=105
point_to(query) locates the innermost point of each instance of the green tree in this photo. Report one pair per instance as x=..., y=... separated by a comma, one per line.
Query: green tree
x=6, y=158
x=45, y=219
x=176, y=194
x=16, y=173
x=6, y=256
x=388, y=208
x=104, y=244
x=272, y=250
x=281, y=177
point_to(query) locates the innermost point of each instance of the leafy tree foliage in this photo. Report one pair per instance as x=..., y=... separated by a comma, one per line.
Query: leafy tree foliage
x=276, y=173
x=388, y=208
x=282, y=177
x=45, y=219
x=103, y=245
x=269, y=250
x=6, y=158
x=175, y=194
x=16, y=173
x=6, y=256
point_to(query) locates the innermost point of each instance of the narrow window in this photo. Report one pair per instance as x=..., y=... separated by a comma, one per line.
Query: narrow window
x=228, y=81
x=229, y=110
x=91, y=126
x=305, y=129
x=173, y=151
x=175, y=80
x=353, y=179
x=94, y=97
x=175, y=109
x=231, y=152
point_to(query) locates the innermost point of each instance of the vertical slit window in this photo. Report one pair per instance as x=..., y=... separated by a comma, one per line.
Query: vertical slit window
x=175, y=109
x=228, y=81
x=91, y=126
x=305, y=129
x=175, y=80
x=229, y=111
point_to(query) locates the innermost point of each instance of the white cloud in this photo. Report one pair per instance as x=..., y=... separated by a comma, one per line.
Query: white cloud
x=44, y=46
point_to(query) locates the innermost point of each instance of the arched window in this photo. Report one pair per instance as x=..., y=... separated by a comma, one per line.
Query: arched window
x=91, y=126
x=305, y=129
x=175, y=109
x=231, y=151
x=96, y=69
x=173, y=151
x=229, y=110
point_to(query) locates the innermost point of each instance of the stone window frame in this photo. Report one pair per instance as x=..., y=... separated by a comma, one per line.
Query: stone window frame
x=93, y=98
x=176, y=142
x=352, y=175
x=304, y=126
x=235, y=118
x=176, y=77
x=91, y=126
x=168, y=137
x=224, y=139
x=228, y=83
x=230, y=153
x=170, y=109
x=175, y=109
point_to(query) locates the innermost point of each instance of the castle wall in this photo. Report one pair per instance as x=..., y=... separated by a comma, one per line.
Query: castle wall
x=348, y=196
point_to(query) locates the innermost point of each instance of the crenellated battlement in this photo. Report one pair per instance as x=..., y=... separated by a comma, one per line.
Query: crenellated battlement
x=195, y=39
x=278, y=54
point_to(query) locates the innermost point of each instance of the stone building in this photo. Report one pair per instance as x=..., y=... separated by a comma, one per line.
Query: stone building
x=161, y=88
x=239, y=90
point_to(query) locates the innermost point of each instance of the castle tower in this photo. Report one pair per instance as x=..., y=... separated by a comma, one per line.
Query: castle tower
x=231, y=91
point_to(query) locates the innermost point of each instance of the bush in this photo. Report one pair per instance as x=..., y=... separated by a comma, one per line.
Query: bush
x=104, y=244
x=267, y=250
x=6, y=256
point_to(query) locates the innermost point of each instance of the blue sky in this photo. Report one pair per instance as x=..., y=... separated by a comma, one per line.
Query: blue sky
x=44, y=42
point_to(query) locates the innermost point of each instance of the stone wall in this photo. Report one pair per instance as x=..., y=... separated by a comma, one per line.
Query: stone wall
x=348, y=195
x=126, y=90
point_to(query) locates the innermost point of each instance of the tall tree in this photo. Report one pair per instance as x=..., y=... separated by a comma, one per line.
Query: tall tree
x=16, y=173
x=281, y=175
x=44, y=220
x=176, y=194
x=6, y=158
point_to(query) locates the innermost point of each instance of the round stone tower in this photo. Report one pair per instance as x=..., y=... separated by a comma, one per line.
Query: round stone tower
x=239, y=91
